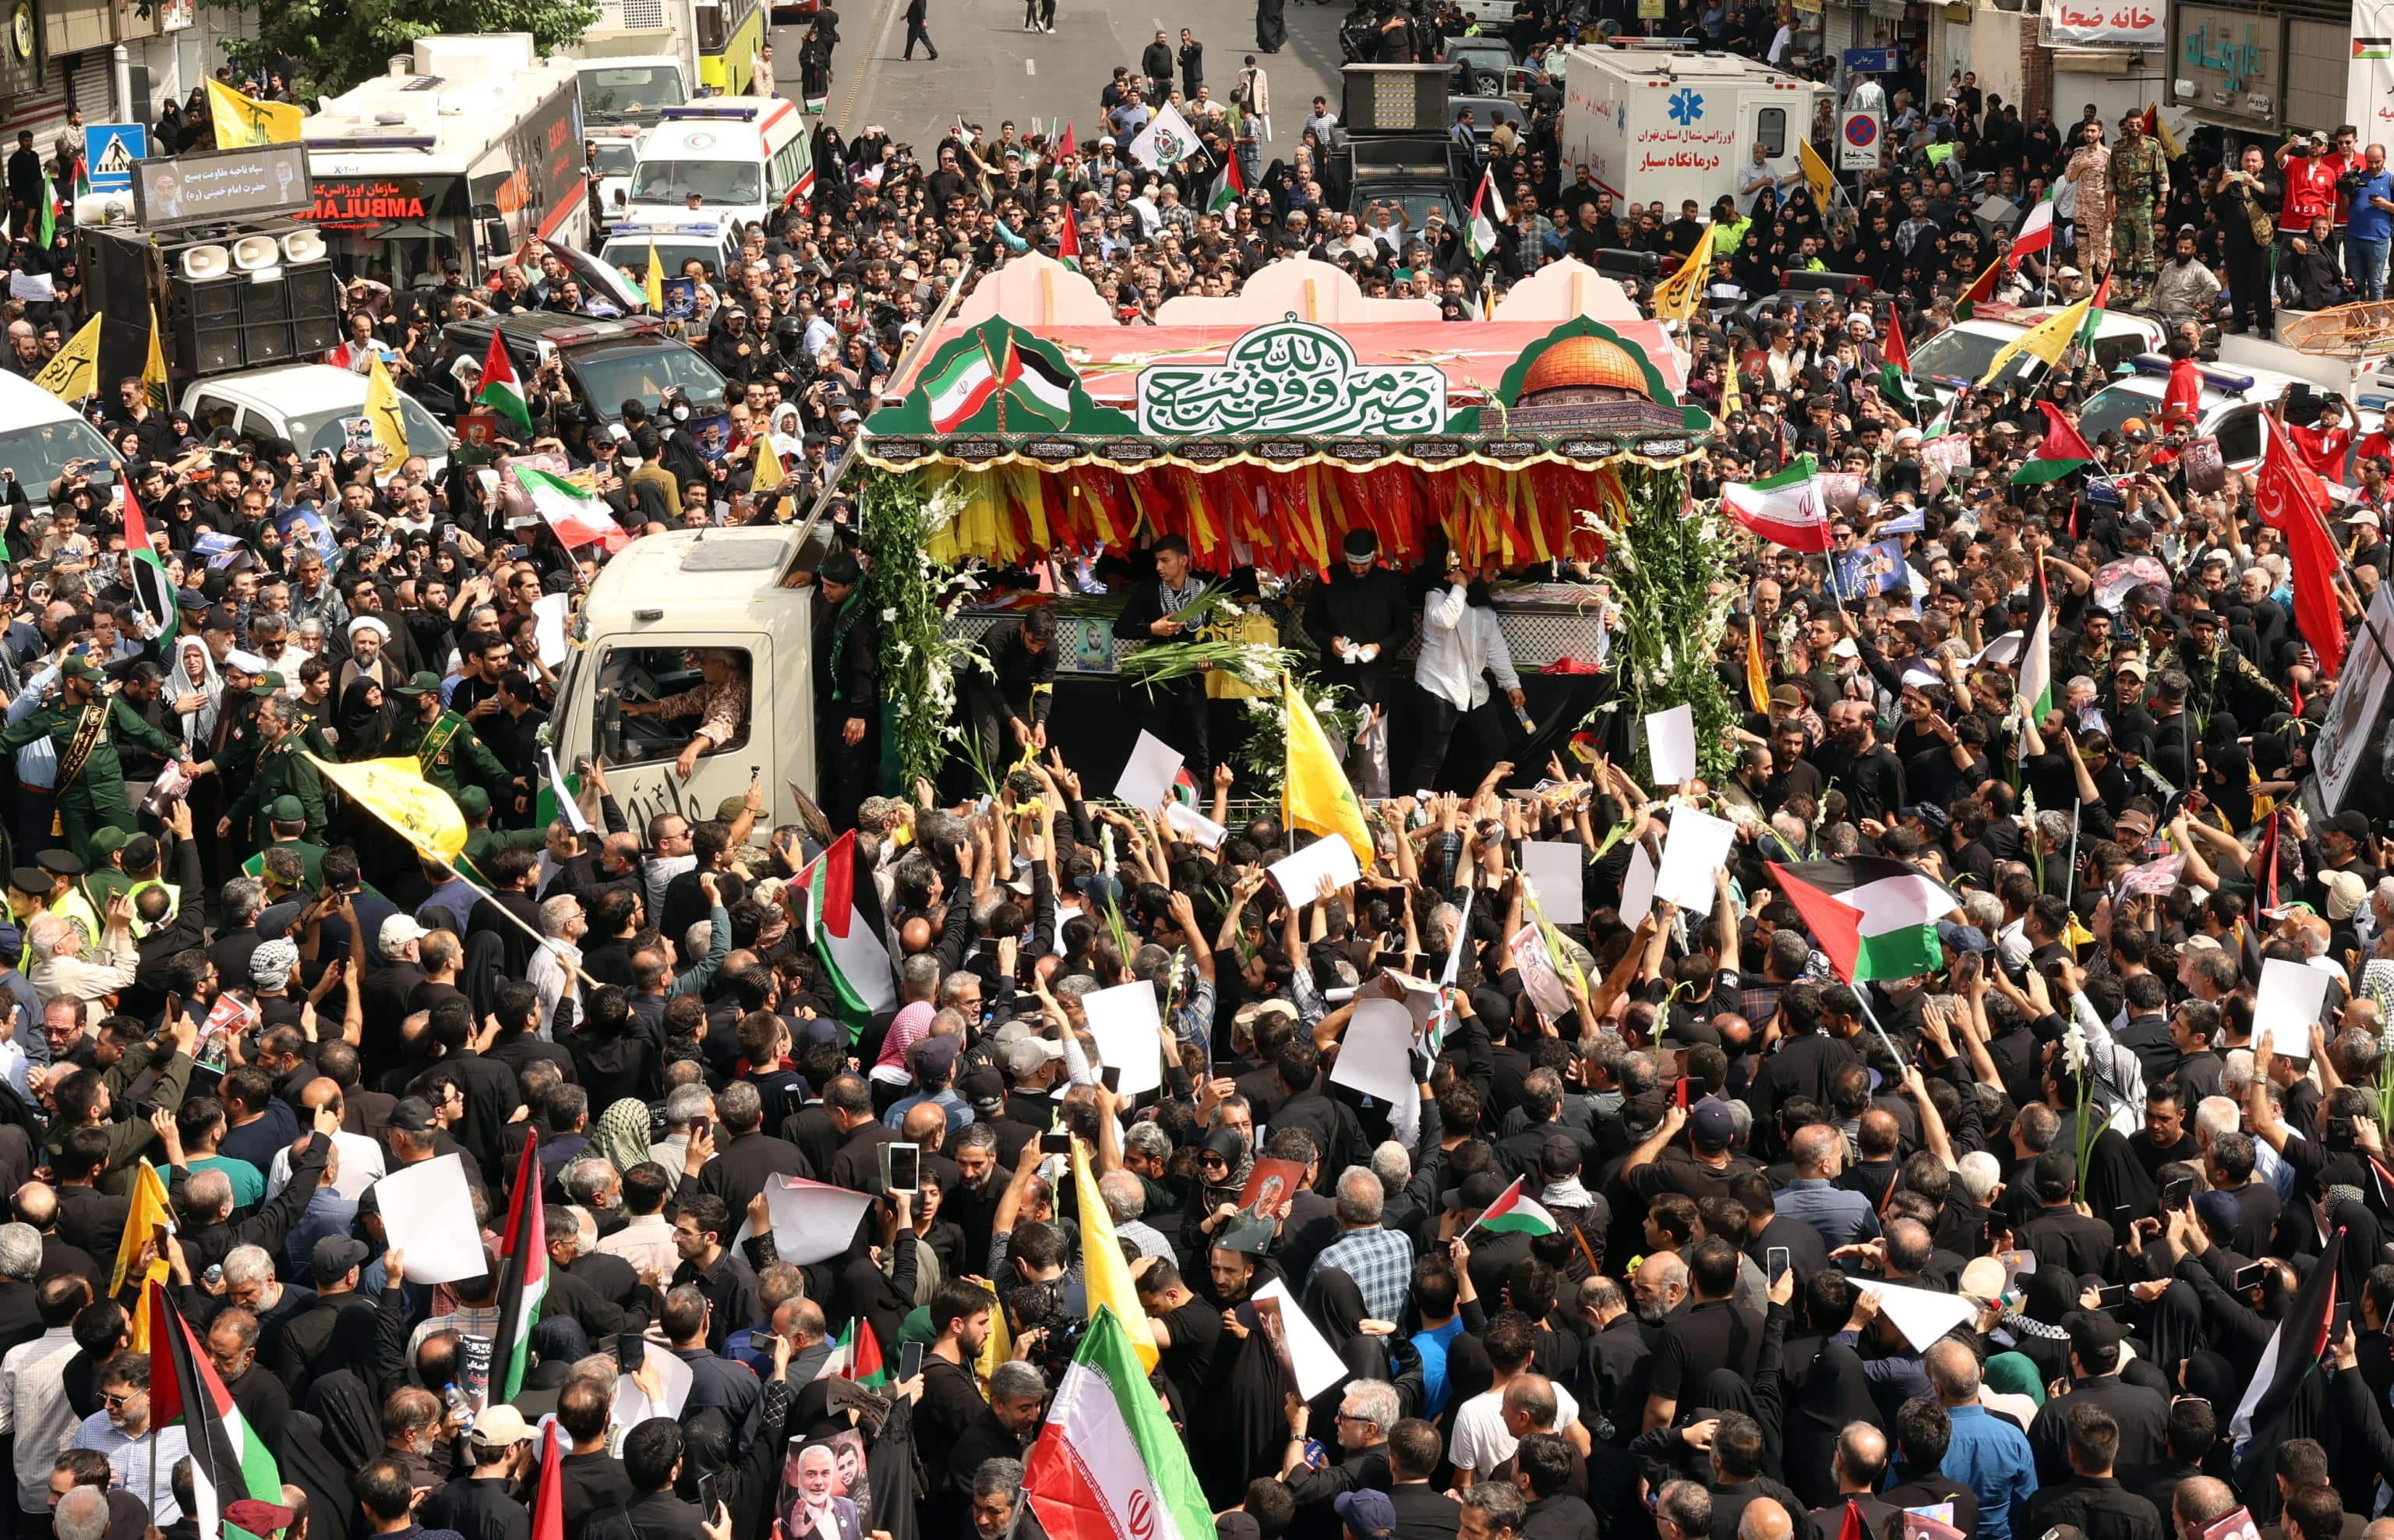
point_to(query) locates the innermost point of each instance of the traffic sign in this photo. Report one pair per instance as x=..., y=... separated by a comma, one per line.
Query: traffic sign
x=1873, y=61
x=1857, y=143
x=109, y=151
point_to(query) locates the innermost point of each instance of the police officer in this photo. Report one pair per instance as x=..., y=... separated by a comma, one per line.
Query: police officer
x=2140, y=186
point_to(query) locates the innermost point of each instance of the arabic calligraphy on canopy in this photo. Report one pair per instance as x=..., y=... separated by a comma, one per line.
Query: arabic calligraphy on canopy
x=1291, y=377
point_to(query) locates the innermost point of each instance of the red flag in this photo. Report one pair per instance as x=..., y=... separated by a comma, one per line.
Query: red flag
x=2062, y=442
x=2288, y=500
x=1852, y=1527
x=1067, y=145
x=1896, y=352
x=548, y=1499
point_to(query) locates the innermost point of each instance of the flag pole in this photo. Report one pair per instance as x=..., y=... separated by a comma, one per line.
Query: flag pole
x=2070, y=878
x=513, y=918
x=1861, y=996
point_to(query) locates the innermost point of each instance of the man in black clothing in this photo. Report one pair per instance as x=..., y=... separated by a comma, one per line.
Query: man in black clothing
x=1712, y=1333
x=1175, y=712
x=481, y=1502
x=1017, y=1398
x=1361, y=619
x=951, y=1400
x=702, y=1233
x=652, y=1460
x=2092, y=1499
x=847, y=671
x=2058, y=1234
x=2138, y=1418
x=594, y=1478
x=303, y=1348
x=1855, y=762
x=739, y=1169
x=1543, y=1464
x=1859, y=1464
x=1423, y=1511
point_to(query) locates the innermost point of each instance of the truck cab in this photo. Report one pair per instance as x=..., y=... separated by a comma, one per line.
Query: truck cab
x=654, y=614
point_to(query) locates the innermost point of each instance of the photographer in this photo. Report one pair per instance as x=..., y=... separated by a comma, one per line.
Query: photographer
x=2244, y=203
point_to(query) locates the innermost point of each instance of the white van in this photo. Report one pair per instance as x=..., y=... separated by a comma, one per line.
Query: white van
x=742, y=157
x=41, y=436
x=309, y=405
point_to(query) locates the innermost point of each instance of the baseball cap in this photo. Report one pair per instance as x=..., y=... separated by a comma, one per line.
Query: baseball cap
x=1366, y=1513
x=334, y=1256
x=411, y=1114
x=982, y=1086
x=497, y=1427
x=1026, y=1057
x=397, y=931
x=1710, y=1123
x=2095, y=1337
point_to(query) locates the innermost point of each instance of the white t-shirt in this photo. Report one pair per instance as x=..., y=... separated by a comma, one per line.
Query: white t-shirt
x=1482, y=1442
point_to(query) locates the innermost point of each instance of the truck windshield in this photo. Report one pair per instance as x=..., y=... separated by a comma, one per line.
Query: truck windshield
x=2105, y=409
x=616, y=93
x=612, y=376
x=329, y=431
x=1956, y=353
x=38, y=456
x=733, y=183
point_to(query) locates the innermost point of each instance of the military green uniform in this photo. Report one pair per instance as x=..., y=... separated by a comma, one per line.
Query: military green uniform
x=448, y=751
x=311, y=859
x=308, y=721
x=283, y=770
x=95, y=798
x=238, y=756
x=2140, y=180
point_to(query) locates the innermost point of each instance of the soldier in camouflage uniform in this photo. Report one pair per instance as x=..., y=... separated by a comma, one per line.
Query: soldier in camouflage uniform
x=2139, y=188
x=441, y=742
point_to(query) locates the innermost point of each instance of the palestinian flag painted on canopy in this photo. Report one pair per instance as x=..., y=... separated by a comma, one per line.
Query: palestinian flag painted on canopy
x=1875, y=919
x=523, y=1278
x=2061, y=452
x=1513, y=1214
x=1042, y=388
x=228, y=1460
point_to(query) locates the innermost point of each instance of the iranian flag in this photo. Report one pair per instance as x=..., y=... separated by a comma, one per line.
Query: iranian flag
x=578, y=517
x=1229, y=186
x=961, y=389
x=843, y=919
x=2036, y=649
x=502, y=393
x=1875, y=919
x=228, y=1460
x=857, y=1356
x=2036, y=230
x=523, y=1278
x=1109, y=1465
x=1514, y=1214
x=151, y=590
x=1784, y=508
x=1487, y=213
x=2061, y=452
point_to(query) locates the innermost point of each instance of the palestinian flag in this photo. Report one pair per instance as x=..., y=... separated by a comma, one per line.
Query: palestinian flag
x=1895, y=368
x=151, y=589
x=1982, y=288
x=502, y=393
x=1068, y=240
x=2061, y=452
x=2036, y=230
x=1875, y=919
x=966, y=384
x=228, y=1460
x=523, y=1278
x=1108, y=1465
x=2093, y=319
x=45, y=234
x=1783, y=509
x=2036, y=649
x=1487, y=213
x=1184, y=787
x=843, y=920
x=1512, y=1214
x=1230, y=187
x=2294, y=1351
x=857, y=1356
x=1042, y=388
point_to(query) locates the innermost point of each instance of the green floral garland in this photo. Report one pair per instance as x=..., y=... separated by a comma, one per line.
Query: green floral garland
x=1672, y=584
x=913, y=600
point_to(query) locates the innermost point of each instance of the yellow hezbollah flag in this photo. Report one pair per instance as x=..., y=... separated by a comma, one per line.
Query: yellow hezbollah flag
x=74, y=373
x=396, y=791
x=998, y=1347
x=1106, y=1271
x=2047, y=340
x=1816, y=174
x=1314, y=795
x=767, y=465
x=1675, y=296
x=382, y=411
x=153, y=368
x=149, y=1210
x=1757, y=683
x=655, y=281
x=242, y=122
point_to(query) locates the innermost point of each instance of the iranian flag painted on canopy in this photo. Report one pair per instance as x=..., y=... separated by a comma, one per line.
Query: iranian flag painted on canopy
x=1875, y=919
x=1109, y=1465
x=843, y=918
x=1514, y=1213
x=228, y=1460
x=959, y=390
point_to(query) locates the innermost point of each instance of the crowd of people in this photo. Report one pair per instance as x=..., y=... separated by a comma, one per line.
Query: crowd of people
x=1640, y=1251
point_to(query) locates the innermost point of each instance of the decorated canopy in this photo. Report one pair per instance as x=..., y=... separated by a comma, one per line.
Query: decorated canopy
x=1281, y=436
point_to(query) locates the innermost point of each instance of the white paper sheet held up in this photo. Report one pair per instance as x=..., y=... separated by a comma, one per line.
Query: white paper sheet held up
x=1693, y=855
x=1146, y=779
x=2284, y=1008
x=631, y=1406
x=1317, y=1363
x=428, y=1213
x=1376, y=1054
x=1638, y=886
x=1199, y=829
x=1300, y=875
x=1553, y=868
x=1126, y=1023
x=1921, y=1315
x=549, y=627
x=1671, y=743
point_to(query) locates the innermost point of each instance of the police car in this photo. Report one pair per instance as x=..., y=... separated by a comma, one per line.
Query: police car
x=677, y=241
x=2233, y=401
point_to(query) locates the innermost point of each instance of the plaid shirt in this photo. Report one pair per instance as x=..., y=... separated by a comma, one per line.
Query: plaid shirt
x=1381, y=1262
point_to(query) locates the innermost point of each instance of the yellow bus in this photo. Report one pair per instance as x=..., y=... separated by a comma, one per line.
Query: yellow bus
x=715, y=41
x=728, y=34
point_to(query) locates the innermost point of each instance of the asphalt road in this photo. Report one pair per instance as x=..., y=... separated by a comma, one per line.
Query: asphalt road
x=990, y=70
